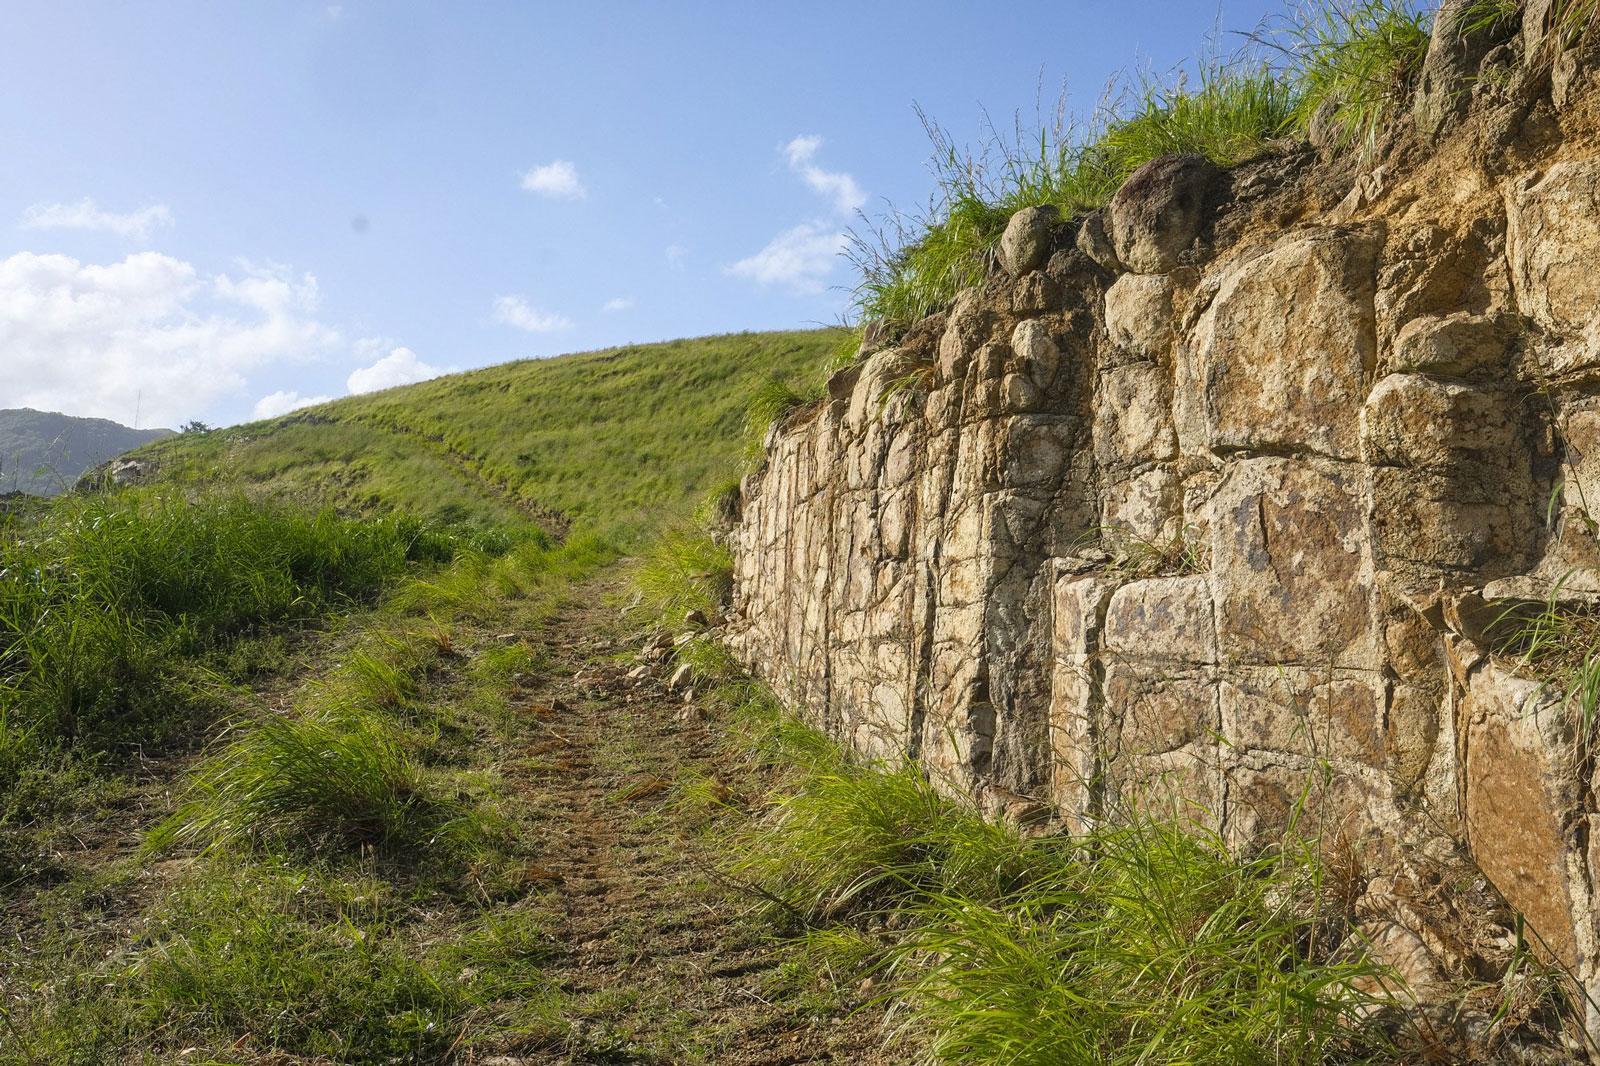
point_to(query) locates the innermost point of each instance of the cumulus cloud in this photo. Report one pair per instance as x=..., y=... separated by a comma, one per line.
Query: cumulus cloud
x=841, y=188
x=147, y=332
x=617, y=303
x=515, y=311
x=399, y=367
x=558, y=180
x=281, y=403
x=799, y=258
x=87, y=215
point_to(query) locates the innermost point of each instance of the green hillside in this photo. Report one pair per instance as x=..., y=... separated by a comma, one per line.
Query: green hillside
x=43, y=453
x=613, y=440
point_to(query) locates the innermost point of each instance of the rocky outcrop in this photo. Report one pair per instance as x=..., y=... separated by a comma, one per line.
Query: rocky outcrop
x=1210, y=504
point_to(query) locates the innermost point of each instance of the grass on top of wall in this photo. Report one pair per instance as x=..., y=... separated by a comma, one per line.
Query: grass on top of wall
x=1349, y=64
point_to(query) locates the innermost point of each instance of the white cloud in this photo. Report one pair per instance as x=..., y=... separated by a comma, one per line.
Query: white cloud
x=87, y=215
x=617, y=303
x=147, y=333
x=515, y=311
x=399, y=367
x=799, y=258
x=281, y=403
x=675, y=254
x=558, y=180
x=846, y=194
x=802, y=150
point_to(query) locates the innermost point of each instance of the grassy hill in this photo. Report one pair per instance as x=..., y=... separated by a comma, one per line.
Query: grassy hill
x=612, y=440
x=42, y=452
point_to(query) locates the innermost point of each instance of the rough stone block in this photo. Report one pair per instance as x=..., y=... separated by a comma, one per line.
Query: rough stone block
x=1552, y=232
x=1419, y=421
x=1167, y=619
x=1280, y=359
x=1139, y=316
x=1133, y=416
x=1078, y=608
x=1521, y=803
x=1292, y=580
x=1304, y=711
x=1145, y=508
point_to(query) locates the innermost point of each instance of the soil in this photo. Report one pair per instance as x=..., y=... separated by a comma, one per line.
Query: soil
x=661, y=960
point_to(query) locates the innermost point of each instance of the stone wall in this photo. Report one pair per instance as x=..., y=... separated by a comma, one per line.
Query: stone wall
x=1208, y=503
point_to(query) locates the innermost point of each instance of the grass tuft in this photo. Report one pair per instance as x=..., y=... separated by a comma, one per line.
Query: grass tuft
x=1139, y=942
x=914, y=265
x=770, y=403
x=685, y=571
x=339, y=775
x=1354, y=63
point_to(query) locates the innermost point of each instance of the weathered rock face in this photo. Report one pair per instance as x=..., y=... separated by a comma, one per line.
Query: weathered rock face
x=1222, y=532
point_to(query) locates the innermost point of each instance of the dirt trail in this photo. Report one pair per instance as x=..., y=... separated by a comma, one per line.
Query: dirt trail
x=658, y=963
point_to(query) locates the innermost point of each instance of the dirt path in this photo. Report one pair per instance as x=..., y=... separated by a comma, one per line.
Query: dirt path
x=658, y=963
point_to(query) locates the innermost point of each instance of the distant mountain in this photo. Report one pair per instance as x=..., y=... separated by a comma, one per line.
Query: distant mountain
x=45, y=453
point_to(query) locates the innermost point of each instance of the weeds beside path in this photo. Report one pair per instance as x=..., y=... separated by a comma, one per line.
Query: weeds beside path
x=577, y=918
x=657, y=961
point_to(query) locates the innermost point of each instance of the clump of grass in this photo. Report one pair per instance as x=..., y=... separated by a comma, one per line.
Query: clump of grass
x=852, y=837
x=708, y=659
x=1231, y=117
x=1185, y=552
x=1354, y=64
x=299, y=962
x=774, y=400
x=256, y=960
x=685, y=571
x=384, y=670
x=906, y=275
x=1148, y=943
x=912, y=266
x=105, y=603
x=1559, y=642
x=339, y=775
x=845, y=350
x=1137, y=942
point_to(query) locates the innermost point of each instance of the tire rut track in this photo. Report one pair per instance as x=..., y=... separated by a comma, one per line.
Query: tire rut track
x=656, y=963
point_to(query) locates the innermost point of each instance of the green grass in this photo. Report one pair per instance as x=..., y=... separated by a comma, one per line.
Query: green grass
x=1138, y=942
x=1355, y=63
x=342, y=879
x=913, y=266
x=684, y=571
x=770, y=402
x=117, y=610
x=1349, y=63
x=261, y=957
x=340, y=774
x=340, y=770
x=612, y=440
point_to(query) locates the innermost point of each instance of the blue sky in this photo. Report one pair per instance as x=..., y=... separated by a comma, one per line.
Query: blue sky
x=217, y=210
